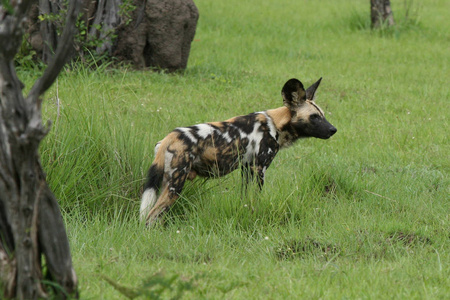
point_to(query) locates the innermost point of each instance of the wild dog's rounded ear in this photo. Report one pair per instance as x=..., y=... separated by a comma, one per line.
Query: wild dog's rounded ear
x=293, y=92
x=311, y=91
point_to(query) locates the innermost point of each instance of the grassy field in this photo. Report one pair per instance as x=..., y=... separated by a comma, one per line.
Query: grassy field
x=364, y=215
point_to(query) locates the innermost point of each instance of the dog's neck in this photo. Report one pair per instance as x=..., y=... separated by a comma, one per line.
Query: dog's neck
x=281, y=117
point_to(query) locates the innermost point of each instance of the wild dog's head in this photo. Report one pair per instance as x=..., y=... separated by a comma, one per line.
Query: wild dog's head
x=307, y=119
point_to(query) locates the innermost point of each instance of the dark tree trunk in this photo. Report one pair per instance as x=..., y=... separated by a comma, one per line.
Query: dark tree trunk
x=148, y=33
x=159, y=35
x=48, y=29
x=106, y=16
x=31, y=225
x=381, y=13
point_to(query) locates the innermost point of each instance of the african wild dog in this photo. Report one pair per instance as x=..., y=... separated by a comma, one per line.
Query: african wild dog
x=217, y=148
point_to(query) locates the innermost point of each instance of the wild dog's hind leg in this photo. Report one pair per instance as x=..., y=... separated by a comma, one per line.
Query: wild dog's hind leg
x=172, y=189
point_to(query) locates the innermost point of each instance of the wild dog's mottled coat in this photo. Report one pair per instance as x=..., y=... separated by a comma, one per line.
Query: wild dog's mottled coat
x=218, y=148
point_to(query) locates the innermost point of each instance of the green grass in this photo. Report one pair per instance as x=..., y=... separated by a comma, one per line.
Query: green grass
x=364, y=215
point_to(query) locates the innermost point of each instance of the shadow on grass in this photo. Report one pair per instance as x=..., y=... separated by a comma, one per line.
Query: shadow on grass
x=157, y=286
x=297, y=249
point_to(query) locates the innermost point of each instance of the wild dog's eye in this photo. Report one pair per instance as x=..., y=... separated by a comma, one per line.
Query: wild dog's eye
x=315, y=116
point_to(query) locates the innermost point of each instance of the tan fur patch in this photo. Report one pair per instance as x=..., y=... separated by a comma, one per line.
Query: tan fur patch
x=305, y=110
x=163, y=201
x=217, y=124
x=280, y=116
x=210, y=154
x=179, y=159
x=231, y=120
x=261, y=118
x=165, y=143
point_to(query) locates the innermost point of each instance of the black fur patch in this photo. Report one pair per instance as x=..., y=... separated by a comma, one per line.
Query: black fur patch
x=154, y=178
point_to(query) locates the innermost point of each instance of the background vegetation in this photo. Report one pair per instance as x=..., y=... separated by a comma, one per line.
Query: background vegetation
x=362, y=215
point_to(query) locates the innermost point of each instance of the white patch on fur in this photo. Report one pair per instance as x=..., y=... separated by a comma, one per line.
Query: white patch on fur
x=227, y=137
x=242, y=134
x=254, y=141
x=167, y=163
x=204, y=130
x=147, y=202
x=187, y=132
x=273, y=130
x=157, y=147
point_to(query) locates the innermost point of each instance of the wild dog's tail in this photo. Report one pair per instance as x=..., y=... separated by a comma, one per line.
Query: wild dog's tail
x=153, y=184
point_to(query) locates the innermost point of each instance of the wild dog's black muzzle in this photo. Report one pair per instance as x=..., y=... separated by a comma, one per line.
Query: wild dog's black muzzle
x=332, y=130
x=326, y=130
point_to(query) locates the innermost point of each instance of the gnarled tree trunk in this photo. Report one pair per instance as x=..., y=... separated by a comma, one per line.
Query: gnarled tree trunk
x=31, y=225
x=381, y=13
x=148, y=33
x=159, y=35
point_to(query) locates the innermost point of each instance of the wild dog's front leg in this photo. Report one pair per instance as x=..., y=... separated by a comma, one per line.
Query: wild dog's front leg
x=263, y=161
x=268, y=149
x=247, y=174
x=250, y=172
x=261, y=171
x=259, y=167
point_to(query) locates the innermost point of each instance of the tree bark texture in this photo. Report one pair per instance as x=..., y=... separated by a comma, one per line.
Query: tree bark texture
x=381, y=13
x=148, y=33
x=101, y=18
x=31, y=225
x=48, y=29
x=159, y=35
